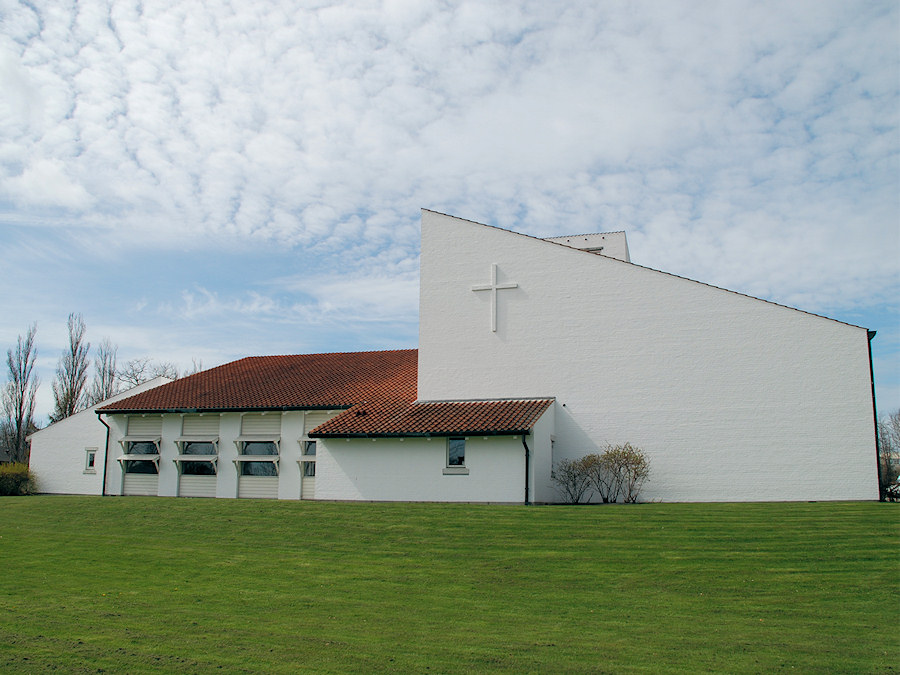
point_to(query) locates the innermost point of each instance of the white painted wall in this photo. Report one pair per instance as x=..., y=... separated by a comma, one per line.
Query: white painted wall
x=732, y=397
x=384, y=469
x=58, y=451
x=390, y=469
x=542, y=488
x=292, y=429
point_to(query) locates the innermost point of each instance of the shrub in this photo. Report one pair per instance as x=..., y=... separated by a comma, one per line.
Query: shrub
x=633, y=468
x=16, y=479
x=572, y=478
x=620, y=472
x=604, y=476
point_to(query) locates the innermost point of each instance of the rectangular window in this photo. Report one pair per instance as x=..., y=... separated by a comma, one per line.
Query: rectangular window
x=261, y=449
x=456, y=452
x=142, y=466
x=456, y=457
x=200, y=468
x=90, y=458
x=309, y=450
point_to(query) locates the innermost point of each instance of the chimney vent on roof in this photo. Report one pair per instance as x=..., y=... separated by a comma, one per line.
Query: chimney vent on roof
x=610, y=244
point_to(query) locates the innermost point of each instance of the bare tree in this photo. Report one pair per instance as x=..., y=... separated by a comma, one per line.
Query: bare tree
x=196, y=367
x=6, y=437
x=18, y=396
x=138, y=371
x=105, y=384
x=71, y=372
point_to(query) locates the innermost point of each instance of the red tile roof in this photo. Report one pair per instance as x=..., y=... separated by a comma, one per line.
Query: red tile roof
x=306, y=381
x=404, y=418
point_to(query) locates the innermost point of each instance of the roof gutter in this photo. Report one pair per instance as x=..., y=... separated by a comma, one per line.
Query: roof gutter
x=424, y=434
x=105, y=452
x=527, y=471
x=191, y=411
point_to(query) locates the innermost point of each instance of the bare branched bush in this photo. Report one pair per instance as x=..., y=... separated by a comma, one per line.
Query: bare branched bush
x=634, y=470
x=572, y=479
x=620, y=471
x=604, y=477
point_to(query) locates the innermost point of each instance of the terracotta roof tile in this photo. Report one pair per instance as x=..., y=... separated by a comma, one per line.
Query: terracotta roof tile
x=404, y=418
x=285, y=382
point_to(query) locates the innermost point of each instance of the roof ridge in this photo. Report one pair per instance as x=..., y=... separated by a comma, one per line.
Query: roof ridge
x=585, y=234
x=289, y=356
x=502, y=399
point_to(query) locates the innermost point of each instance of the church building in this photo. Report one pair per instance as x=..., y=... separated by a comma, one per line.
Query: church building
x=530, y=351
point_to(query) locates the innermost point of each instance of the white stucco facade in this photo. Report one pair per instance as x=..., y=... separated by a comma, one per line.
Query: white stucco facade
x=733, y=398
x=378, y=469
x=291, y=428
x=415, y=468
x=59, y=452
x=412, y=469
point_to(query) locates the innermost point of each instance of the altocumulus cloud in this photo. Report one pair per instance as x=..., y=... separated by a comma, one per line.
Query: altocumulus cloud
x=752, y=145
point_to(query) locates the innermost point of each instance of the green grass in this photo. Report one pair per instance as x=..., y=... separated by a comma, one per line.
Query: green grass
x=145, y=585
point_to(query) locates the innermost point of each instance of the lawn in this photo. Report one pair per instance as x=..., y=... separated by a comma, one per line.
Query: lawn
x=91, y=584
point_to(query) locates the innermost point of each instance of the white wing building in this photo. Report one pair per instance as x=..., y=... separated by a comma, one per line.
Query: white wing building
x=69, y=456
x=530, y=351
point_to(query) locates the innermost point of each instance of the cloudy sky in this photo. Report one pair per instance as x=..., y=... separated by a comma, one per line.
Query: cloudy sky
x=210, y=179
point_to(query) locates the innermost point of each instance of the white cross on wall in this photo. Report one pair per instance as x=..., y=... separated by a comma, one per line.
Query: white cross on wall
x=493, y=287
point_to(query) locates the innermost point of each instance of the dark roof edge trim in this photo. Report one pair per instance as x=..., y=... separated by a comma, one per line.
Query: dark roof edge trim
x=504, y=399
x=142, y=411
x=426, y=434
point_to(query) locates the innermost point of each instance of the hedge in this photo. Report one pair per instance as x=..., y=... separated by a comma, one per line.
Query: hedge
x=16, y=479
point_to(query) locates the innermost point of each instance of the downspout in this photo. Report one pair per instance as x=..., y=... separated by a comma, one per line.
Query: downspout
x=871, y=335
x=527, y=471
x=105, y=453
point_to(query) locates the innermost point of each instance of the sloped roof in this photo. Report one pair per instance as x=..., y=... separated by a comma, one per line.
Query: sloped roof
x=305, y=381
x=426, y=418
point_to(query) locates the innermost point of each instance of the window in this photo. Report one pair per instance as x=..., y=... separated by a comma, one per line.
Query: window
x=142, y=465
x=90, y=458
x=309, y=466
x=456, y=457
x=199, y=468
x=456, y=452
x=259, y=468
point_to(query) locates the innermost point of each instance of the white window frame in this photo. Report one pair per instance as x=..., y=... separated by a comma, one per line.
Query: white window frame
x=181, y=458
x=305, y=459
x=240, y=442
x=126, y=442
x=90, y=460
x=455, y=469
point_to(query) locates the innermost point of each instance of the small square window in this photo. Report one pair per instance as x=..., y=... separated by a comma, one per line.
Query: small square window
x=90, y=459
